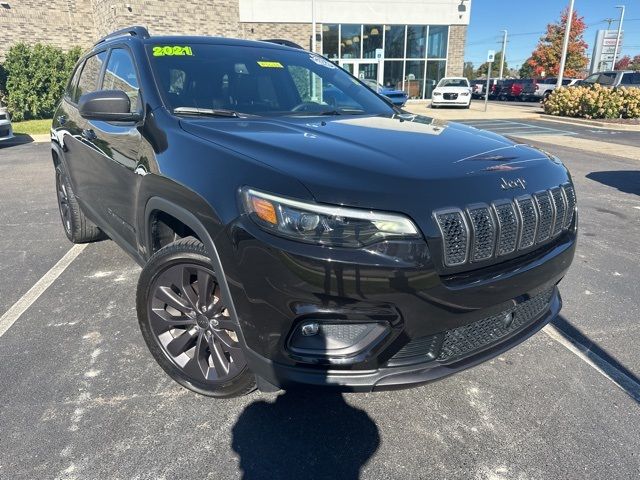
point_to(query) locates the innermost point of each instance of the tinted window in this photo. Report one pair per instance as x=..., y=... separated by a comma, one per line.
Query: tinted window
x=89, y=77
x=630, y=79
x=259, y=81
x=73, y=82
x=121, y=75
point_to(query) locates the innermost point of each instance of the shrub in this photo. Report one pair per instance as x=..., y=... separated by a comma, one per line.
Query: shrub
x=594, y=102
x=35, y=79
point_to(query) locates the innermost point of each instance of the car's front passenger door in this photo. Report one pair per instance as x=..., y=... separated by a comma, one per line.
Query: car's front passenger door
x=117, y=144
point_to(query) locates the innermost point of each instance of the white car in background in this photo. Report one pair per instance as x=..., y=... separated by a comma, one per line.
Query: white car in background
x=6, y=131
x=452, y=91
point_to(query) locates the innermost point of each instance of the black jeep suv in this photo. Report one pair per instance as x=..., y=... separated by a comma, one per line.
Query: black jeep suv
x=294, y=227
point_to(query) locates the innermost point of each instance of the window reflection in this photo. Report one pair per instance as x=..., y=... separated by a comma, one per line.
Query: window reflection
x=394, y=41
x=438, y=37
x=351, y=41
x=371, y=40
x=330, y=41
x=416, y=41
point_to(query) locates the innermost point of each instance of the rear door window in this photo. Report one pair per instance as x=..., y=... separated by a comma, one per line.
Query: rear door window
x=630, y=79
x=121, y=75
x=88, y=81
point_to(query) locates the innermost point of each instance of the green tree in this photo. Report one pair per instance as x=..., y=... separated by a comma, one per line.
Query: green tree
x=468, y=70
x=495, y=68
x=526, y=70
x=36, y=78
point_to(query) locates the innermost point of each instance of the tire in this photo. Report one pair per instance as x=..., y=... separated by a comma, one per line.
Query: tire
x=76, y=226
x=186, y=325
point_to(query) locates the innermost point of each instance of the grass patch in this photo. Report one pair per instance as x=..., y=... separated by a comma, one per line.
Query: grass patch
x=32, y=127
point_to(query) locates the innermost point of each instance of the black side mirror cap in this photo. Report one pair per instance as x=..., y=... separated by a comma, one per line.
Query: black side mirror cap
x=108, y=106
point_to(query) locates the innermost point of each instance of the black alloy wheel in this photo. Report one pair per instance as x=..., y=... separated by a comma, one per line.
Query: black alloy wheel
x=188, y=326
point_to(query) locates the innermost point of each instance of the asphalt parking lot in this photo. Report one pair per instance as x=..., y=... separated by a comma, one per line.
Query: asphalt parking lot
x=82, y=398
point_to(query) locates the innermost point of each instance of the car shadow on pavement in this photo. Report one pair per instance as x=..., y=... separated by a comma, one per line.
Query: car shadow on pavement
x=627, y=181
x=304, y=434
x=17, y=140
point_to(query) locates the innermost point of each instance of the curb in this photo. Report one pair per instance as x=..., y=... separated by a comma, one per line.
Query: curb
x=590, y=123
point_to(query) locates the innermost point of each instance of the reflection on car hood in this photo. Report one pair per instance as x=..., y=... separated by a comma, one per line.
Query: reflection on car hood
x=380, y=162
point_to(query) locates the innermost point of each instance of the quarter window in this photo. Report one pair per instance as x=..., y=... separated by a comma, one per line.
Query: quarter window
x=121, y=75
x=88, y=81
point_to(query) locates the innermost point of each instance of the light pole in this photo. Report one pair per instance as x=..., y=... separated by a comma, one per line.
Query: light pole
x=615, y=52
x=504, y=48
x=313, y=26
x=565, y=46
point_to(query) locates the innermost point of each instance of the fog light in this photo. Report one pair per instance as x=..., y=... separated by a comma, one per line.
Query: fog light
x=309, y=329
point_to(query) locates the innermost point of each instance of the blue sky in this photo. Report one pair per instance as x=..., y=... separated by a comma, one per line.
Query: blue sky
x=527, y=21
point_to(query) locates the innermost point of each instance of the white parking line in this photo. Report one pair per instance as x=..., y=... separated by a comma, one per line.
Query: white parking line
x=18, y=308
x=509, y=127
x=625, y=383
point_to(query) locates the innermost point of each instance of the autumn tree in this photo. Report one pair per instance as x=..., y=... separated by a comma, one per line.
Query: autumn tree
x=468, y=70
x=526, y=70
x=628, y=63
x=546, y=56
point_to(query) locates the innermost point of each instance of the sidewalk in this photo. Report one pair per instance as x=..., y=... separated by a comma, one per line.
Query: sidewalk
x=502, y=111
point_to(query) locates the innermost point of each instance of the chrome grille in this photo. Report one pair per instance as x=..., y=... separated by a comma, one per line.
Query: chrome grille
x=455, y=236
x=570, y=195
x=483, y=232
x=545, y=211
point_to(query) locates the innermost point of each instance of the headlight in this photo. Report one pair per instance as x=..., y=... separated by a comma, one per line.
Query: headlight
x=324, y=224
x=464, y=94
x=437, y=94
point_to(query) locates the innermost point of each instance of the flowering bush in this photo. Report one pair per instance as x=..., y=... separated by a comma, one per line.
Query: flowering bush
x=594, y=102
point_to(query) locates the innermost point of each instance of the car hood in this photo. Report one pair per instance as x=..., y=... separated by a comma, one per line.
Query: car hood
x=452, y=89
x=391, y=91
x=385, y=163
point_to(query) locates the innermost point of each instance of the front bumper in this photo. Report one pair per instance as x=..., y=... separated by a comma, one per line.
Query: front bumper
x=460, y=101
x=6, y=130
x=277, y=284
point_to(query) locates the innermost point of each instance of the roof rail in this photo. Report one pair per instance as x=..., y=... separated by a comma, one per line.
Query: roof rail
x=133, y=31
x=285, y=43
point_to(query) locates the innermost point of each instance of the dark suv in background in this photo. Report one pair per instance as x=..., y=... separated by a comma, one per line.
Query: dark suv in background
x=296, y=228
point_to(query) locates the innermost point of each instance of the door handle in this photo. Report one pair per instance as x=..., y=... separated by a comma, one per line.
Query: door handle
x=62, y=119
x=89, y=134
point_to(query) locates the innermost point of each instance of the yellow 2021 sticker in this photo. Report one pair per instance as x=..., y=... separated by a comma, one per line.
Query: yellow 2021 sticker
x=171, y=50
x=264, y=64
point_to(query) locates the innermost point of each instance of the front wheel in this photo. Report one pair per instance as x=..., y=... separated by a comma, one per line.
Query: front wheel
x=186, y=323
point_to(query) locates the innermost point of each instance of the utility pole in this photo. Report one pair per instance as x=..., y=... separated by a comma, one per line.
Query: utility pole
x=504, y=48
x=615, y=52
x=565, y=46
x=313, y=26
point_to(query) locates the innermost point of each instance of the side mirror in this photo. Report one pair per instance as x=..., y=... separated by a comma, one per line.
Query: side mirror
x=107, y=105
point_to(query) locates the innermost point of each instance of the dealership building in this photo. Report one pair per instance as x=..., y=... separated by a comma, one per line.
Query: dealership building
x=406, y=44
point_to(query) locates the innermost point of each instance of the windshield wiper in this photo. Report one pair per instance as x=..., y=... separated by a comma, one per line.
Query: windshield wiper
x=211, y=112
x=343, y=111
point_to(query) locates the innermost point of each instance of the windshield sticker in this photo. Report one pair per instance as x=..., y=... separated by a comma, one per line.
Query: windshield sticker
x=171, y=50
x=322, y=61
x=264, y=64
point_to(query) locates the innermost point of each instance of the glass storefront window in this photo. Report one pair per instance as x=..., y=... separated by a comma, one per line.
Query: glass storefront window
x=414, y=78
x=394, y=41
x=438, y=38
x=435, y=72
x=350, y=45
x=416, y=41
x=371, y=40
x=330, y=41
x=393, y=74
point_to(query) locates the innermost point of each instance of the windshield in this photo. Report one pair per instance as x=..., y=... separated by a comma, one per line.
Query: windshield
x=258, y=81
x=453, y=82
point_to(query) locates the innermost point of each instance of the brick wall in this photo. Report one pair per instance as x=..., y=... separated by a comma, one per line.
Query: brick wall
x=457, y=41
x=61, y=23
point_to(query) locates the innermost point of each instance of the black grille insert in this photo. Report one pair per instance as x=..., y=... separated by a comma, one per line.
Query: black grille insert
x=469, y=339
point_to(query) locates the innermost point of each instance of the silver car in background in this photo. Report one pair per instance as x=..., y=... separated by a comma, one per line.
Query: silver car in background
x=6, y=130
